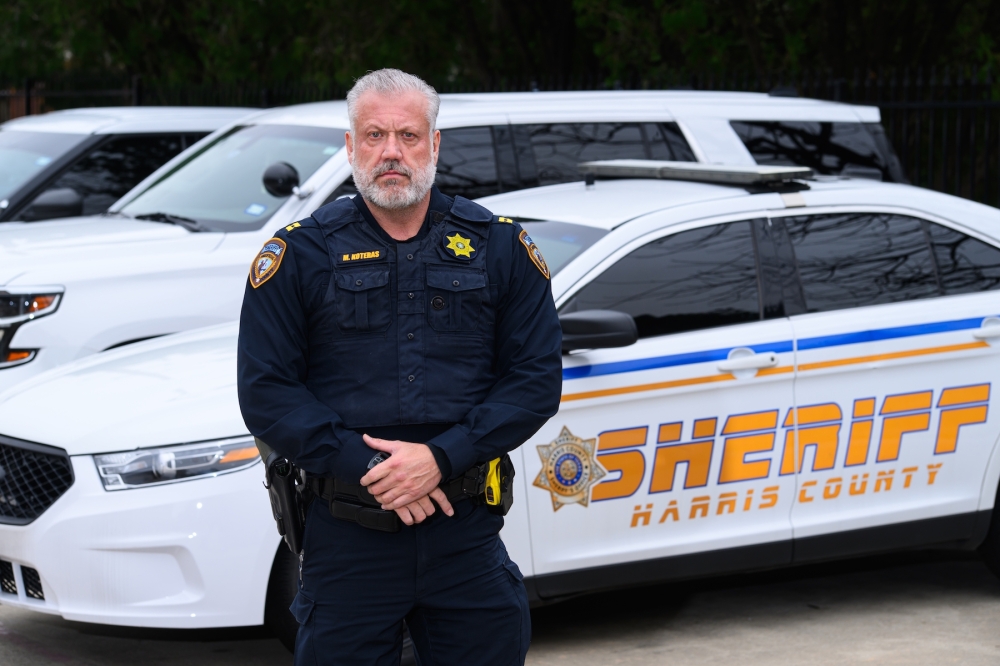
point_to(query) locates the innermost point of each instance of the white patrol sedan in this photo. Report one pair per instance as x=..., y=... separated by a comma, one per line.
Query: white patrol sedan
x=173, y=254
x=756, y=376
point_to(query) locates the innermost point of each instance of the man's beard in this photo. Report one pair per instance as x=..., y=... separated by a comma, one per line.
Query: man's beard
x=390, y=195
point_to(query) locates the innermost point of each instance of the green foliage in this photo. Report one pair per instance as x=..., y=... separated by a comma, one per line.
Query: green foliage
x=485, y=42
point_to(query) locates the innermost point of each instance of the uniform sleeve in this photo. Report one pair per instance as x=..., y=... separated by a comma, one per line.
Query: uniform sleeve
x=529, y=366
x=272, y=367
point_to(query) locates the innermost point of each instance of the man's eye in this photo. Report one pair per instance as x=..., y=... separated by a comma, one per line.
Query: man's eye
x=375, y=135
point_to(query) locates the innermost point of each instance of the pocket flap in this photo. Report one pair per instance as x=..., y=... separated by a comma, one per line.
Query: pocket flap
x=455, y=279
x=360, y=279
x=301, y=608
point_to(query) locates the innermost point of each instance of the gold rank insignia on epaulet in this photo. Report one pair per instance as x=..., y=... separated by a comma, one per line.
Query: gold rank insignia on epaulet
x=505, y=220
x=293, y=225
x=267, y=262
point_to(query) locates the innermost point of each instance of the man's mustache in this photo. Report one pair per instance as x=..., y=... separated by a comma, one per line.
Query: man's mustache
x=391, y=165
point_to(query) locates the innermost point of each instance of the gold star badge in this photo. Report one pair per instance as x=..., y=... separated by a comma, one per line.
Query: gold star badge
x=569, y=469
x=461, y=247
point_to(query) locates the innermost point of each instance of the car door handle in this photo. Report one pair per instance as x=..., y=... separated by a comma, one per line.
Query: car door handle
x=987, y=332
x=755, y=362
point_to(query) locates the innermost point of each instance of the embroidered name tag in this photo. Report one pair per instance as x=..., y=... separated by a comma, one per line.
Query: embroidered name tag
x=360, y=256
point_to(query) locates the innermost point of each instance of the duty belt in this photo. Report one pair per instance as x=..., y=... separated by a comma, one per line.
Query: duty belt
x=353, y=502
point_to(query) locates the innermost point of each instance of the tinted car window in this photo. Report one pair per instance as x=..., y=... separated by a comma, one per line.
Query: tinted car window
x=105, y=174
x=466, y=163
x=559, y=148
x=221, y=185
x=692, y=280
x=826, y=147
x=23, y=155
x=667, y=142
x=964, y=263
x=857, y=259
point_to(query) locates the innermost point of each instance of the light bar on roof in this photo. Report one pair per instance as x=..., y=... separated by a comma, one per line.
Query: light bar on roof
x=706, y=173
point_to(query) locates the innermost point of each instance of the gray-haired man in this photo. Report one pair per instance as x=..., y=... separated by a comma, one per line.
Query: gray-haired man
x=397, y=346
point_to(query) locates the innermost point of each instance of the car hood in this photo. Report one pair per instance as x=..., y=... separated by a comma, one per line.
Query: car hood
x=45, y=252
x=176, y=389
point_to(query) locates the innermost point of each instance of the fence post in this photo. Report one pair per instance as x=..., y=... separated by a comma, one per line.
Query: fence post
x=28, y=84
x=136, y=90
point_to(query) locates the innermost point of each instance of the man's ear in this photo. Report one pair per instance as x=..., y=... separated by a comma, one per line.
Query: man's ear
x=349, y=143
x=437, y=145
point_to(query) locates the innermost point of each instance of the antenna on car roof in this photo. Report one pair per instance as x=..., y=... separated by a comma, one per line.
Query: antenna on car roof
x=706, y=173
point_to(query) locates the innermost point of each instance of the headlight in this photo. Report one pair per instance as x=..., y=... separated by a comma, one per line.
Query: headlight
x=26, y=305
x=170, y=464
x=15, y=309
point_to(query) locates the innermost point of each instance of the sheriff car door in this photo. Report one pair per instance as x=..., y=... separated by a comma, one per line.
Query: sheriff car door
x=896, y=358
x=666, y=448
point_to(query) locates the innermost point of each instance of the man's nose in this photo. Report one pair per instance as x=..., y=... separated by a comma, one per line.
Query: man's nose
x=391, y=148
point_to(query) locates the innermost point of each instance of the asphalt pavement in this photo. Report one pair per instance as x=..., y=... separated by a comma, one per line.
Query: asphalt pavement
x=919, y=608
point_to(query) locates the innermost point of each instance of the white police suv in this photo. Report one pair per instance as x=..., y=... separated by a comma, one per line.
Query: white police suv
x=757, y=374
x=172, y=254
x=80, y=161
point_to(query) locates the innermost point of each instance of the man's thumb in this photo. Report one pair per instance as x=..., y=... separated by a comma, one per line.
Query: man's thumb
x=379, y=444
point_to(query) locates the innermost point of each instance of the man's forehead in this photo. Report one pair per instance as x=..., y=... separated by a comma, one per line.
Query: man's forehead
x=374, y=106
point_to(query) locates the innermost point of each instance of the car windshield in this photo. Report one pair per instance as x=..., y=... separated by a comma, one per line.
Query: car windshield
x=220, y=186
x=24, y=154
x=560, y=242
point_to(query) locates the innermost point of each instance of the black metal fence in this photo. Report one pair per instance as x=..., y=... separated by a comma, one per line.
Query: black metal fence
x=944, y=123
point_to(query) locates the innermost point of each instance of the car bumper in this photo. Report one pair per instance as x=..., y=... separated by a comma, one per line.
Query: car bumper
x=186, y=555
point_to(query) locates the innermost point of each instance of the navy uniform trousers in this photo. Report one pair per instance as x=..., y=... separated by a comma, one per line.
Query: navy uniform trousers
x=449, y=577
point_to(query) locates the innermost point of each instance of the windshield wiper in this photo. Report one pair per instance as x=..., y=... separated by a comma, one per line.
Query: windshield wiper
x=186, y=222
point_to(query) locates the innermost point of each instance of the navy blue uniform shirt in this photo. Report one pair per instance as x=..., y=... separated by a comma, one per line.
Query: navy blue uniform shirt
x=450, y=338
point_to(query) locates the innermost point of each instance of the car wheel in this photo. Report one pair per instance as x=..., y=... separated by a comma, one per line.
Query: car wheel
x=281, y=590
x=990, y=548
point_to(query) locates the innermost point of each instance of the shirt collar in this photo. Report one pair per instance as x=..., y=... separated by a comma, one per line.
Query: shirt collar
x=440, y=204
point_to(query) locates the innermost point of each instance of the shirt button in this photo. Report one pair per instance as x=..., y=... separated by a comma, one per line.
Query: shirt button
x=409, y=336
x=410, y=295
x=410, y=257
x=455, y=283
x=411, y=378
x=359, y=283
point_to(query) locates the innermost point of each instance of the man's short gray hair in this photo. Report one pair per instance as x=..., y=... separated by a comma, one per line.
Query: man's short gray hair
x=392, y=82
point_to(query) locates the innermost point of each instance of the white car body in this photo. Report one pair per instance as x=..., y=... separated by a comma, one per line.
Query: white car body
x=198, y=553
x=91, y=128
x=123, y=280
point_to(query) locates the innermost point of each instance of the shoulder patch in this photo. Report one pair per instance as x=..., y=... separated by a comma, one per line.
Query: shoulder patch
x=534, y=253
x=266, y=264
x=505, y=220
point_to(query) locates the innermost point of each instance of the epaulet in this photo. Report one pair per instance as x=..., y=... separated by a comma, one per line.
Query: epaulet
x=336, y=214
x=470, y=211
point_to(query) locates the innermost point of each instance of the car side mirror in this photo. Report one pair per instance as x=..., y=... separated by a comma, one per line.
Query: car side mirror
x=597, y=329
x=53, y=203
x=281, y=179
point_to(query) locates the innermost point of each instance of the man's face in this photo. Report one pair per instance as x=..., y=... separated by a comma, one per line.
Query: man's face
x=394, y=153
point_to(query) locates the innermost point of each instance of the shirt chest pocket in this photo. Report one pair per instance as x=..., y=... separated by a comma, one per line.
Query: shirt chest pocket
x=362, y=300
x=455, y=298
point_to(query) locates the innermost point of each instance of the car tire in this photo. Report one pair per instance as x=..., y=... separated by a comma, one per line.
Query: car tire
x=282, y=587
x=990, y=548
x=281, y=590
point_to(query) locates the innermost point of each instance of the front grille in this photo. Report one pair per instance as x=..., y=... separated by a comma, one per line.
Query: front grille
x=32, y=583
x=32, y=477
x=8, y=584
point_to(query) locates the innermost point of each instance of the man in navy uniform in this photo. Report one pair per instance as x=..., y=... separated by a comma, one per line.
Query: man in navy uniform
x=390, y=345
